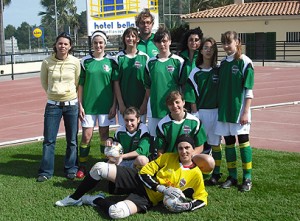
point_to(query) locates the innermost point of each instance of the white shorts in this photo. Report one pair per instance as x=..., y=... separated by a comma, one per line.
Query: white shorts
x=121, y=119
x=152, y=124
x=101, y=119
x=209, y=118
x=231, y=129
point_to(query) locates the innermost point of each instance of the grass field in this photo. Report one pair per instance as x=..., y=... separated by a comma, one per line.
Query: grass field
x=275, y=194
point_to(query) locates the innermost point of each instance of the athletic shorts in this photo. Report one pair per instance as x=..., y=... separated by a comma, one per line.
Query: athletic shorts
x=152, y=124
x=127, y=163
x=231, y=129
x=127, y=179
x=101, y=119
x=209, y=118
x=121, y=119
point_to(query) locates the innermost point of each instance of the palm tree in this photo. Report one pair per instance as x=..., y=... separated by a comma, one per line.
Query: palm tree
x=66, y=15
x=3, y=3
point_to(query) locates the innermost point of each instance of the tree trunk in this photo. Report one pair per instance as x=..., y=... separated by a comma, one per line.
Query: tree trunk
x=2, y=36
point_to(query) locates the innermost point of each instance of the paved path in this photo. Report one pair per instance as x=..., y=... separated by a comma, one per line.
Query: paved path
x=22, y=103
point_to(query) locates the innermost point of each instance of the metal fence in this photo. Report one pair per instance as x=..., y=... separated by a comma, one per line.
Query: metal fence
x=287, y=52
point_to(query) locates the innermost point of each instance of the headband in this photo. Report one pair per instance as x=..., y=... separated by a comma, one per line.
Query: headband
x=185, y=138
x=101, y=34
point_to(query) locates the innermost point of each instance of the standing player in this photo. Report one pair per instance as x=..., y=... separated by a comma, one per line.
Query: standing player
x=129, y=87
x=189, y=52
x=145, y=21
x=162, y=77
x=234, y=102
x=202, y=92
x=96, y=96
x=179, y=122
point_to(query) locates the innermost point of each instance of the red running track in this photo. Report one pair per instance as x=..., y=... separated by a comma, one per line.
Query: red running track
x=22, y=105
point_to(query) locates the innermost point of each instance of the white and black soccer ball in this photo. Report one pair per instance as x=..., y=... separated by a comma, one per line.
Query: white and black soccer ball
x=114, y=151
x=170, y=202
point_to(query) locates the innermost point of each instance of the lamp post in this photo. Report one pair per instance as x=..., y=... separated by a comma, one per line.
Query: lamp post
x=55, y=8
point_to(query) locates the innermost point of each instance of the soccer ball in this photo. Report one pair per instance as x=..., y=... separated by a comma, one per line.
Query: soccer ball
x=170, y=202
x=114, y=151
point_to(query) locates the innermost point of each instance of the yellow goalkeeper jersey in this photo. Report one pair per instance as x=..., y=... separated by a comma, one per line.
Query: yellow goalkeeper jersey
x=167, y=170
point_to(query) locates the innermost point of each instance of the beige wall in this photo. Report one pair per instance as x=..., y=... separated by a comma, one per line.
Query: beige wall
x=214, y=28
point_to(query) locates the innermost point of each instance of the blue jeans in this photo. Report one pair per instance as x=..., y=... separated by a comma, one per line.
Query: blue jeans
x=52, y=118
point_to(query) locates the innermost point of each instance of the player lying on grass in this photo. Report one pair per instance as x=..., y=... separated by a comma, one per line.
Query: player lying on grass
x=169, y=175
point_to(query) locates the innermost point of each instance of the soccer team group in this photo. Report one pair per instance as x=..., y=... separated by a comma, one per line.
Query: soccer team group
x=189, y=100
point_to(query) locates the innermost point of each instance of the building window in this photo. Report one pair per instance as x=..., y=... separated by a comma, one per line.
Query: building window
x=242, y=37
x=293, y=36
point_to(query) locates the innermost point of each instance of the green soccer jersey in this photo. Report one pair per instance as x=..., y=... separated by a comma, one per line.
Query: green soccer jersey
x=161, y=78
x=96, y=78
x=138, y=141
x=234, y=78
x=188, y=65
x=131, y=73
x=202, y=88
x=168, y=130
x=148, y=46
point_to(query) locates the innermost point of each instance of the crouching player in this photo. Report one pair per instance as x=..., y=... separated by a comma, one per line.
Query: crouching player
x=168, y=175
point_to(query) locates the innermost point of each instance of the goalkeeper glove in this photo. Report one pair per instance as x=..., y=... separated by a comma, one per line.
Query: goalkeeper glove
x=170, y=191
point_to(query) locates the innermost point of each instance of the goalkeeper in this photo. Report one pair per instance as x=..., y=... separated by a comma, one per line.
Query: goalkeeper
x=169, y=174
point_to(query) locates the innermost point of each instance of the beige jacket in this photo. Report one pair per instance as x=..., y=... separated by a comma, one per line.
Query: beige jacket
x=60, y=78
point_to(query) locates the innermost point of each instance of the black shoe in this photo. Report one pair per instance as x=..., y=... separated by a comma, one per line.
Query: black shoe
x=246, y=186
x=71, y=176
x=228, y=183
x=42, y=178
x=214, y=179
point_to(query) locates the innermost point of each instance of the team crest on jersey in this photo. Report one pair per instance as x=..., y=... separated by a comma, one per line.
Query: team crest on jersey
x=138, y=64
x=106, y=68
x=182, y=182
x=215, y=78
x=170, y=68
x=186, y=129
x=135, y=141
x=234, y=69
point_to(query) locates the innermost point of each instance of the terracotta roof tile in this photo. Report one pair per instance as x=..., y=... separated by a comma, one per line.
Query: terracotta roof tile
x=249, y=10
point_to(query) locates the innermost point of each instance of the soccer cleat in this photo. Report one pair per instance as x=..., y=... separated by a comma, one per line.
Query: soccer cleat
x=214, y=179
x=228, y=183
x=81, y=172
x=68, y=201
x=89, y=199
x=246, y=186
x=42, y=178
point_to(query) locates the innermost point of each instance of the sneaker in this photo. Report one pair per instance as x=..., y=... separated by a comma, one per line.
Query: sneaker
x=214, y=179
x=71, y=176
x=68, y=201
x=89, y=199
x=42, y=178
x=246, y=186
x=228, y=183
x=81, y=172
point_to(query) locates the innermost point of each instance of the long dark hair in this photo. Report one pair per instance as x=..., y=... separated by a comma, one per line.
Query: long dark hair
x=214, y=59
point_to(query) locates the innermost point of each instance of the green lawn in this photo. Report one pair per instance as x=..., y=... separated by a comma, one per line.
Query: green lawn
x=275, y=194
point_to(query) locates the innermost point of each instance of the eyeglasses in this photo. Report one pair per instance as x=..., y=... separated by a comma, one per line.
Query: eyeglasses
x=194, y=39
x=64, y=34
x=145, y=23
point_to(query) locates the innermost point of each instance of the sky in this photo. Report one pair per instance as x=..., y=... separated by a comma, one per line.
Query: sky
x=17, y=12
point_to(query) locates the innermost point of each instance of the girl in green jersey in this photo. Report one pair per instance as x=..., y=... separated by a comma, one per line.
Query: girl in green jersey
x=96, y=96
x=236, y=80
